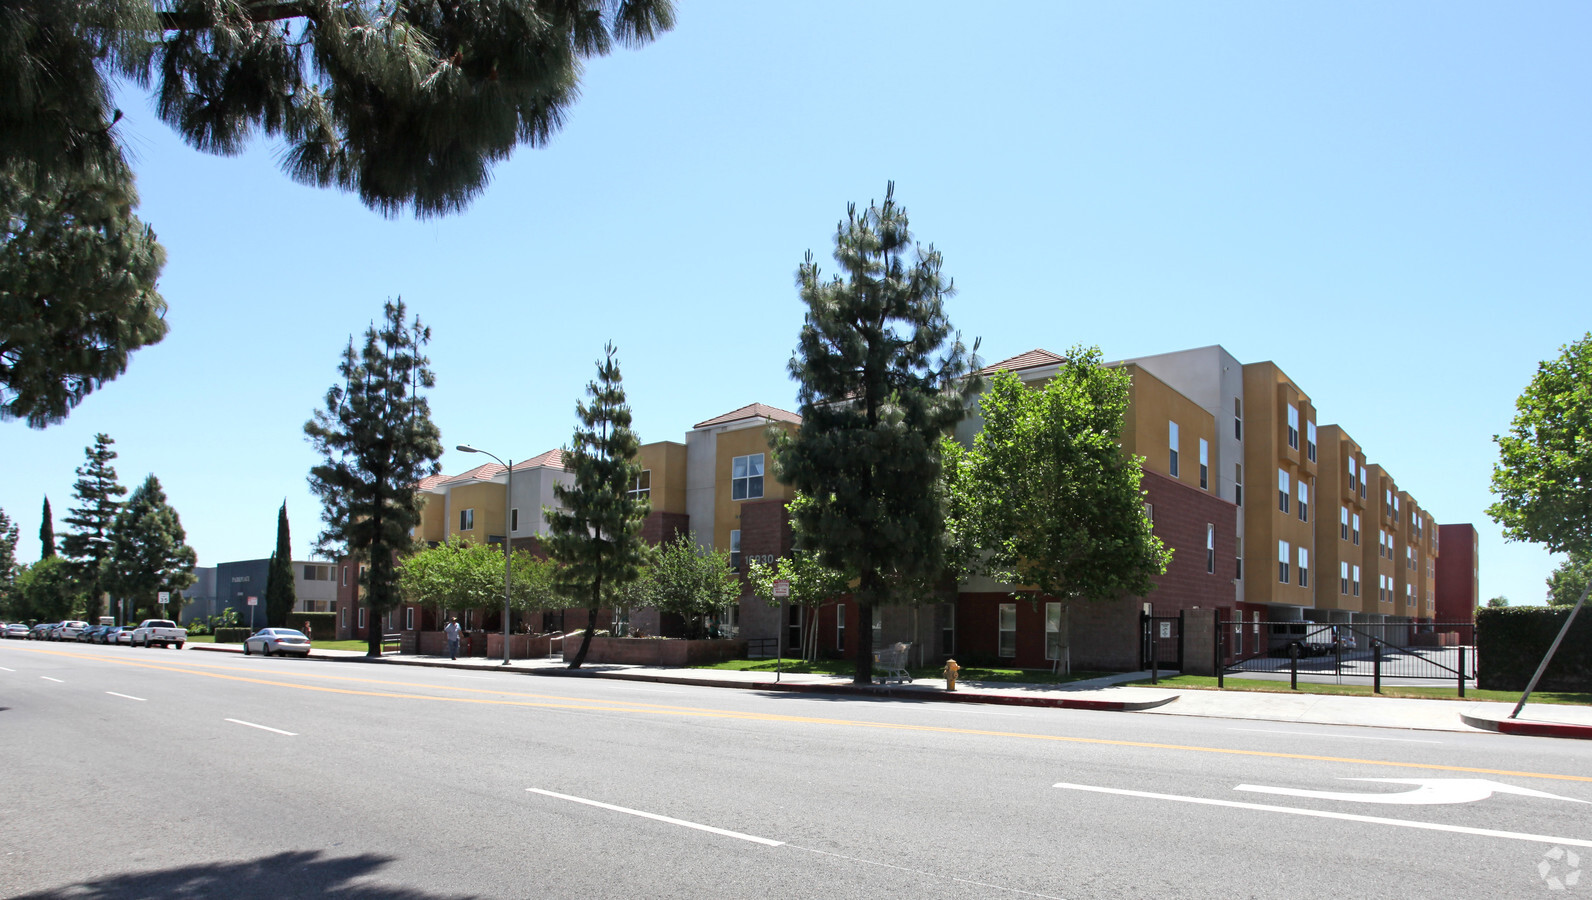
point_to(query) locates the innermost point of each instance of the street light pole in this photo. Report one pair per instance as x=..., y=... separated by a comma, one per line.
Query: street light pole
x=508, y=534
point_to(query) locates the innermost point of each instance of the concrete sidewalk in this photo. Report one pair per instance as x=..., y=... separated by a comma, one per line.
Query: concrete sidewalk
x=1107, y=693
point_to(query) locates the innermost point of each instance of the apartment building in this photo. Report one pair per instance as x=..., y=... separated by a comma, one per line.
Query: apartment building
x=1340, y=525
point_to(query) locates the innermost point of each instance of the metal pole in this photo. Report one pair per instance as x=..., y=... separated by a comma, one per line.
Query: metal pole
x=1293, y=666
x=779, y=643
x=1462, y=672
x=1376, y=676
x=1556, y=641
x=1221, y=670
x=508, y=553
x=1155, y=663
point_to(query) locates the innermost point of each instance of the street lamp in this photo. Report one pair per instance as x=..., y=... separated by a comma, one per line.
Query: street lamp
x=508, y=534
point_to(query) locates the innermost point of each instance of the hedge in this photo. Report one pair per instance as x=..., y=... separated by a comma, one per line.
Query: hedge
x=232, y=635
x=1511, y=640
x=323, y=625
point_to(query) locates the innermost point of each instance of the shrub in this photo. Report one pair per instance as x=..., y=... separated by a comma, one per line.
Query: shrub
x=1510, y=643
x=232, y=635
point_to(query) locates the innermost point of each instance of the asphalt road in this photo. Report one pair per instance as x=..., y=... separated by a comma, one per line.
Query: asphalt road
x=163, y=773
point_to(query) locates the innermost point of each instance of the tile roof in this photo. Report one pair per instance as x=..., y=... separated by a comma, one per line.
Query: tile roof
x=552, y=459
x=1033, y=359
x=752, y=411
x=430, y=482
x=483, y=472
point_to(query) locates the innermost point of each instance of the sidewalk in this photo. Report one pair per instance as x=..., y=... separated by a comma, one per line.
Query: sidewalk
x=1107, y=693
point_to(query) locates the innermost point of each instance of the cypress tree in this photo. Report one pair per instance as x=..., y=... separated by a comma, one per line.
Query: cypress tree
x=46, y=532
x=596, y=530
x=149, y=553
x=88, y=544
x=378, y=441
x=280, y=596
x=882, y=379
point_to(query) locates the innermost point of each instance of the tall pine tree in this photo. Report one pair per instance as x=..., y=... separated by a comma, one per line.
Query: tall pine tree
x=149, y=553
x=882, y=378
x=46, y=531
x=378, y=442
x=88, y=544
x=596, y=532
x=280, y=596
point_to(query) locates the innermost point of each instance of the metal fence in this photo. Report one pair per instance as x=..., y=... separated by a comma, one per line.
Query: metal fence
x=1354, y=652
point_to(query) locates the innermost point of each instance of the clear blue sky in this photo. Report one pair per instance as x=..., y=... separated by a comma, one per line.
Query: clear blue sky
x=1391, y=201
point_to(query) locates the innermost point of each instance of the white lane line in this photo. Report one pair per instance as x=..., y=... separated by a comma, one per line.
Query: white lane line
x=127, y=696
x=4, y=669
x=262, y=727
x=56, y=680
x=657, y=818
x=1347, y=817
x=1347, y=737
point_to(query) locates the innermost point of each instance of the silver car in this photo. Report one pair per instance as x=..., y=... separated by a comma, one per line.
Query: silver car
x=277, y=640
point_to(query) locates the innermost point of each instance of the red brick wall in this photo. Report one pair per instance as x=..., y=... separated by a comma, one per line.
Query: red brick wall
x=1181, y=515
x=662, y=527
x=765, y=530
x=1456, y=574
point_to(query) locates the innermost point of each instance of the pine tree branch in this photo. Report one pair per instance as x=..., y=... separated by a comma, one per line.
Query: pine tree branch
x=261, y=12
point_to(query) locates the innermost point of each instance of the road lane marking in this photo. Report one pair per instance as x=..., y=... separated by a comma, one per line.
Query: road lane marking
x=1323, y=814
x=128, y=696
x=4, y=669
x=56, y=680
x=1347, y=737
x=1428, y=792
x=553, y=701
x=871, y=862
x=263, y=727
x=657, y=818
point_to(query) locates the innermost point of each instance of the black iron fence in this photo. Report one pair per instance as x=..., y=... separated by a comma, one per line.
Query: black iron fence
x=1351, y=652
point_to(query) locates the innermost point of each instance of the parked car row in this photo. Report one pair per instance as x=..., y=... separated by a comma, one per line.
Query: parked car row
x=148, y=633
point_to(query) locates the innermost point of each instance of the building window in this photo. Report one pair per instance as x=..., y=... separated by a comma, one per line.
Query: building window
x=342, y=617
x=1006, y=644
x=1238, y=418
x=1354, y=476
x=1149, y=513
x=361, y=617
x=1293, y=426
x=746, y=477
x=1282, y=489
x=735, y=550
x=840, y=626
x=1171, y=432
x=466, y=520
x=641, y=488
x=1355, y=531
x=1343, y=578
x=1205, y=465
x=1310, y=440
x=345, y=576
x=1210, y=549
x=1282, y=562
x=1238, y=484
x=1343, y=523
x=409, y=618
x=1238, y=571
x=1053, y=631
x=1356, y=581
x=1304, y=501
x=1395, y=510
x=1304, y=567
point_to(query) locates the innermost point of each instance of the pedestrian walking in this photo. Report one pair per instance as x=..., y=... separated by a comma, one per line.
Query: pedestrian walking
x=452, y=631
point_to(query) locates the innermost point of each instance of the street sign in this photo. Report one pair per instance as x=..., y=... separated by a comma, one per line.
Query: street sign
x=782, y=588
x=164, y=596
x=253, y=601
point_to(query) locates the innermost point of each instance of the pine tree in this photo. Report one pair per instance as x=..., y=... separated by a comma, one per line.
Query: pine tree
x=596, y=530
x=149, y=553
x=46, y=531
x=378, y=442
x=280, y=595
x=88, y=544
x=882, y=379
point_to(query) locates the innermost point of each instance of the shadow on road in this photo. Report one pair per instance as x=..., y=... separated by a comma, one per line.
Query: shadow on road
x=304, y=873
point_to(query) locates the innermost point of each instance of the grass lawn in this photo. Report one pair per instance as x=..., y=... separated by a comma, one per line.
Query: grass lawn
x=201, y=639
x=845, y=667
x=1204, y=682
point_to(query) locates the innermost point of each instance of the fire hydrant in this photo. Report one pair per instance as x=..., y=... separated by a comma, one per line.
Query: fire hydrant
x=951, y=668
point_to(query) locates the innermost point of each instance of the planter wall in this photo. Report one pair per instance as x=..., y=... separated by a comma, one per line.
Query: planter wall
x=655, y=652
x=521, y=646
x=471, y=643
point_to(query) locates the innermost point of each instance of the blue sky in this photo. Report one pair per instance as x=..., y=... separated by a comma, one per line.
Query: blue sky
x=1390, y=201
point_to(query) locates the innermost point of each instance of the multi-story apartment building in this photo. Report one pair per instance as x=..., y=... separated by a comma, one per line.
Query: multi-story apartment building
x=1340, y=517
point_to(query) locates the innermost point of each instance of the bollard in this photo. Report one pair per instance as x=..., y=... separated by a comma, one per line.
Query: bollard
x=1461, y=669
x=1376, y=677
x=1293, y=666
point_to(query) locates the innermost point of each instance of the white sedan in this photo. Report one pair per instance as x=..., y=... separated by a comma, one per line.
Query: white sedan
x=277, y=640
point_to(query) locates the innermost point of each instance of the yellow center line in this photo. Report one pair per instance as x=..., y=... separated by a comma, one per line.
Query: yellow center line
x=549, y=701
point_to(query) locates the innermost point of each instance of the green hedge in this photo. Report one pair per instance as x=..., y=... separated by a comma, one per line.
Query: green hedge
x=232, y=635
x=1510, y=643
x=323, y=625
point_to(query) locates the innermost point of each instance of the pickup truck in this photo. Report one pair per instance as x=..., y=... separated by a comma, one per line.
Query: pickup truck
x=159, y=631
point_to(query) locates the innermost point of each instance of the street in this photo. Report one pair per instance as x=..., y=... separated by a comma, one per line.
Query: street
x=164, y=773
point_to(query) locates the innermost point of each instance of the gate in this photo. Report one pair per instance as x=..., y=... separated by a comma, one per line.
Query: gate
x=1441, y=651
x=1161, y=642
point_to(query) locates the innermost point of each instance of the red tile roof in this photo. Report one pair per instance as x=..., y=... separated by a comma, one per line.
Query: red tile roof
x=483, y=472
x=552, y=459
x=430, y=482
x=752, y=411
x=1033, y=359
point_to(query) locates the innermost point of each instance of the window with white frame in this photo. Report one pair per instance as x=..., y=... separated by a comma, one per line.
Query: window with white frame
x=1395, y=509
x=840, y=626
x=1310, y=441
x=1355, y=581
x=746, y=477
x=409, y=618
x=1283, y=555
x=1171, y=437
x=1205, y=464
x=1149, y=513
x=1343, y=578
x=361, y=617
x=1304, y=501
x=1238, y=418
x=1343, y=523
x=466, y=519
x=342, y=617
x=1006, y=642
x=1409, y=557
x=1282, y=489
x=1254, y=618
x=1238, y=484
x=641, y=488
x=345, y=576
x=1239, y=555
x=1210, y=549
x=735, y=550
x=1052, y=631
x=1304, y=567
x=1354, y=530
x=1354, y=476
x=1293, y=426
x=514, y=520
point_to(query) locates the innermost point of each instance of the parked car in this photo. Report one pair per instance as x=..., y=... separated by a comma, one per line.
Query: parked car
x=16, y=631
x=88, y=634
x=159, y=631
x=40, y=631
x=68, y=630
x=107, y=634
x=277, y=640
x=124, y=635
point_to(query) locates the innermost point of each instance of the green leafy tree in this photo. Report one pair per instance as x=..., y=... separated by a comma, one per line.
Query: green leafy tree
x=48, y=591
x=1052, y=500
x=9, y=534
x=596, y=529
x=882, y=379
x=1543, y=477
x=1569, y=580
x=46, y=531
x=280, y=595
x=378, y=441
x=811, y=586
x=77, y=289
x=1498, y=602
x=456, y=575
x=149, y=553
x=88, y=544
x=691, y=581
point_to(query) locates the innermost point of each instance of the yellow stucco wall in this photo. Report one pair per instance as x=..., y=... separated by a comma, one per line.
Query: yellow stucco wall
x=486, y=498
x=1146, y=429
x=665, y=461
x=740, y=442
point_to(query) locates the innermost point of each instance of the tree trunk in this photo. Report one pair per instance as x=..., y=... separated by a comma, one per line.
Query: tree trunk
x=864, y=671
x=585, y=642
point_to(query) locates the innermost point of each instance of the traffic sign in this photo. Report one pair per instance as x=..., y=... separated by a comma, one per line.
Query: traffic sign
x=782, y=588
x=254, y=601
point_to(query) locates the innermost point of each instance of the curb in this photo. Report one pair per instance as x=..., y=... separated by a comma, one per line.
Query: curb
x=1531, y=729
x=969, y=697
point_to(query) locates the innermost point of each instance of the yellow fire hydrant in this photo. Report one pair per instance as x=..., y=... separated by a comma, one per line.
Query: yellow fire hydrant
x=951, y=668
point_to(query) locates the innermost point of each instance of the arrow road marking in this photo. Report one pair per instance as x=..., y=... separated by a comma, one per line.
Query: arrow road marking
x=1346, y=817
x=1428, y=791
